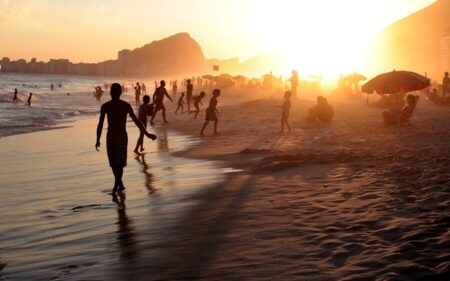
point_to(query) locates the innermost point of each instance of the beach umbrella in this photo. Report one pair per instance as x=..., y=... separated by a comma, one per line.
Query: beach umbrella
x=396, y=82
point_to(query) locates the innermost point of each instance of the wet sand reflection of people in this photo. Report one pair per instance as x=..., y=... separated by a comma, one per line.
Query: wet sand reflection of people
x=126, y=237
x=146, y=170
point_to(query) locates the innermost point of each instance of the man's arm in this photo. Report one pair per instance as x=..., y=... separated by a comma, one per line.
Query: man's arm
x=100, y=127
x=139, y=124
x=167, y=95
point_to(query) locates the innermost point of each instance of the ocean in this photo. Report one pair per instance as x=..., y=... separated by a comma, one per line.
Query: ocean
x=49, y=109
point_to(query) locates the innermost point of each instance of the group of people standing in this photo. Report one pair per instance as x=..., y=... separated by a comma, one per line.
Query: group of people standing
x=117, y=111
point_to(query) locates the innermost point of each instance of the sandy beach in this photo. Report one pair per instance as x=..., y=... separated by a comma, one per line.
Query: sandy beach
x=349, y=200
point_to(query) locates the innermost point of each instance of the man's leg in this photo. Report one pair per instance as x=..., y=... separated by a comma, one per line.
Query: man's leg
x=153, y=115
x=118, y=173
x=215, y=126
x=164, y=114
x=204, y=126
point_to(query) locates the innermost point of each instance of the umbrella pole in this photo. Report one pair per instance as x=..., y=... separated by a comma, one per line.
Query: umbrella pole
x=367, y=100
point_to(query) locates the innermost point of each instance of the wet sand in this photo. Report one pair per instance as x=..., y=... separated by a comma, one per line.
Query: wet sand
x=349, y=200
x=58, y=221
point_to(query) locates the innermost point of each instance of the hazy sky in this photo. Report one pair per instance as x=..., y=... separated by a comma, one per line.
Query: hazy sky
x=94, y=30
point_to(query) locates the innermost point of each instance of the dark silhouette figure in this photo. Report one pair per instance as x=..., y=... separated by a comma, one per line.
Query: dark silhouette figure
x=158, y=100
x=212, y=112
x=137, y=94
x=398, y=117
x=146, y=170
x=445, y=85
x=60, y=85
x=144, y=110
x=126, y=236
x=144, y=88
x=321, y=112
x=51, y=86
x=189, y=90
x=29, y=99
x=294, y=83
x=117, y=111
x=286, y=108
x=174, y=88
x=197, y=103
x=180, y=103
x=15, y=96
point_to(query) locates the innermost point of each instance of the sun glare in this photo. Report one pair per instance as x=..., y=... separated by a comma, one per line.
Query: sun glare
x=317, y=37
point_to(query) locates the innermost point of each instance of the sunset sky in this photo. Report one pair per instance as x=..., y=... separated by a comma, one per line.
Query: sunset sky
x=94, y=30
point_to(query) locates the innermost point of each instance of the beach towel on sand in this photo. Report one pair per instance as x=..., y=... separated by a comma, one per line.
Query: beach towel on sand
x=117, y=150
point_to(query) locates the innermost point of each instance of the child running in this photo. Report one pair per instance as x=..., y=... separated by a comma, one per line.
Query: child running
x=180, y=103
x=144, y=110
x=211, y=112
x=197, y=103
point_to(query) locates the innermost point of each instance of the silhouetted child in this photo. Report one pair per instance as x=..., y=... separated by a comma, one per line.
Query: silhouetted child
x=144, y=110
x=197, y=103
x=29, y=99
x=321, y=112
x=158, y=100
x=286, y=108
x=117, y=111
x=211, y=112
x=15, y=96
x=174, y=89
x=180, y=103
x=397, y=117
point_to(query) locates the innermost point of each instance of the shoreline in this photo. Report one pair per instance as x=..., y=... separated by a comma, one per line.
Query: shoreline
x=345, y=200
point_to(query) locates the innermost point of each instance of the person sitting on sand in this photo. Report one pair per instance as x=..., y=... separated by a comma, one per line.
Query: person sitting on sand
x=117, y=138
x=180, y=103
x=197, y=103
x=15, y=96
x=158, y=100
x=29, y=99
x=211, y=112
x=397, y=117
x=321, y=112
x=286, y=107
x=145, y=109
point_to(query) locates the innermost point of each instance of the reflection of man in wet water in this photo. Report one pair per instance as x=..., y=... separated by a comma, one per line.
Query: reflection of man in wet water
x=117, y=138
x=158, y=100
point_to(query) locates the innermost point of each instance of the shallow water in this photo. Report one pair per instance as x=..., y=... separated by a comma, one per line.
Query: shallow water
x=58, y=221
x=49, y=108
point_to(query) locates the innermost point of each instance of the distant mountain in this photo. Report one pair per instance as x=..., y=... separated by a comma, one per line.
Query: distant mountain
x=174, y=55
x=419, y=42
